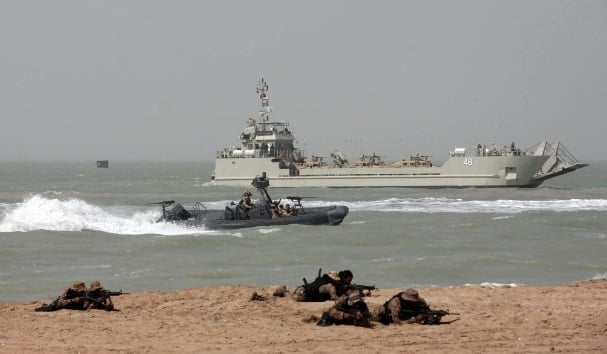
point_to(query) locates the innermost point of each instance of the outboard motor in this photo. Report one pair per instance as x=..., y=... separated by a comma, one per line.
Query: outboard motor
x=176, y=212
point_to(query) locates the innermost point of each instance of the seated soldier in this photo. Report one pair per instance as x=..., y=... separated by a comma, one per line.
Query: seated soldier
x=349, y=309
x=274, y=209
x=246, y=204
x=287, y=211
x=326, y=287
x=71, y=299
x=295, y=209
x=96, y=298
x=406, y=306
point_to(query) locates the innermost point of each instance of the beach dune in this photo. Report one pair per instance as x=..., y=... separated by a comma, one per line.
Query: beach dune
x=529, y=319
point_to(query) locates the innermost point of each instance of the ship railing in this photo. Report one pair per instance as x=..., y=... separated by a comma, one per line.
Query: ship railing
x=543, y=148
x=556, y=149
x=565, y=155
x=257, y=153
x=492, y=150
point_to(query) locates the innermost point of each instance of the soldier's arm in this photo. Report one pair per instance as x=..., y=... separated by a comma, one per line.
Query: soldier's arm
x=109, y=305
x=64, y=301
x=336, y=314
x=394, y=310
x=341, y=301
x=328, y=289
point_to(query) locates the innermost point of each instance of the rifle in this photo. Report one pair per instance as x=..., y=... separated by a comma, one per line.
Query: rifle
x=93, y=296
x=353, y=311
x=296, y=198
x=432, y=316
x=114, y=293
x=362, y=287
x=98, y=303
x=439, y=313
x=297, y=202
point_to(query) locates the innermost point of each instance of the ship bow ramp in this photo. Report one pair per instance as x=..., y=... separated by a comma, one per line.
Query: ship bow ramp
x=559, y=162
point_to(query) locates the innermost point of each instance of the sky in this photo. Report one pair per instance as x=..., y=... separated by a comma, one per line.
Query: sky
x=176, y=80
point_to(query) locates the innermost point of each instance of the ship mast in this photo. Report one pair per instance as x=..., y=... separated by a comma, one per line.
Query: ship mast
x=265, y=109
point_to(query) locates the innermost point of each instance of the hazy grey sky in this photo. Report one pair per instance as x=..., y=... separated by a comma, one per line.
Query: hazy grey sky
x=176, y=79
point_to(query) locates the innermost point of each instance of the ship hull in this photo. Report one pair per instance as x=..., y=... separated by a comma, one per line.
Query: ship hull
x=458, y=171
x=332, y=215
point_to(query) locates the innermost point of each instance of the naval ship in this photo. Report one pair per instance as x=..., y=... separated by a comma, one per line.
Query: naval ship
x=268, y=145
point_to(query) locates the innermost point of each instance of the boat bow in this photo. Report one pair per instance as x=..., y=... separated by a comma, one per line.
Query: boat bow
x=559, y=162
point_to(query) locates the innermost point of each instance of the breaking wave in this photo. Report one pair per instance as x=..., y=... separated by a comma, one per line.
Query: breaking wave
x=40, y=213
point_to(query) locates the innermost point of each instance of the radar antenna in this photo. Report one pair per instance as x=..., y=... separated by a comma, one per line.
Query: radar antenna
x=265, y=109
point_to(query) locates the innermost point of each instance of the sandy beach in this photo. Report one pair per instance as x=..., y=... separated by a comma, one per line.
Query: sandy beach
x=521, y=319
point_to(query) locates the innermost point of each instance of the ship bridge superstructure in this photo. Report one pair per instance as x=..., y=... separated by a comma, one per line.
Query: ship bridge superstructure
x=264, y=137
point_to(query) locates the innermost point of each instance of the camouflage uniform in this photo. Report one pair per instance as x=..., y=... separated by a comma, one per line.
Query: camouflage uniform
x=350, y=310
x=287, y=211
x=404, y=306
x=72, y=299
x=246, y=204
x=96, y=298
x=275, y=212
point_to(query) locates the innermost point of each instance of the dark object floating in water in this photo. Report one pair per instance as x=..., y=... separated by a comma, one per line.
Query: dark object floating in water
x=234, y=216
x=103, y=164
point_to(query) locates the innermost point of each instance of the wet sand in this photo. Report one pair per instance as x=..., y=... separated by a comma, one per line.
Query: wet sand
x=525, y=319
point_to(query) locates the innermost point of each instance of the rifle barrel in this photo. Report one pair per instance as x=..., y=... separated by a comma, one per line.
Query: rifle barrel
x=166, y=202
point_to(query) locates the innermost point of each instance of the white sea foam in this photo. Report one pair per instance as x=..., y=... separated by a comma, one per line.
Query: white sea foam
x=447, y=205
x=499, y=285
x=495, y=285
x=502, y=217
x=40, y=213
x=268, y=231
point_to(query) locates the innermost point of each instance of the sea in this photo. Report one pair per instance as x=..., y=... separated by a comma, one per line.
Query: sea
x=63, y=221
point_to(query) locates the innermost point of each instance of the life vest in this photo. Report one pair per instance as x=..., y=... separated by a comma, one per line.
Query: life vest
x=311, y=290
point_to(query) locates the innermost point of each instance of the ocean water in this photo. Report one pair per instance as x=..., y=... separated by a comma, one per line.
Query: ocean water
x=66, y=221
